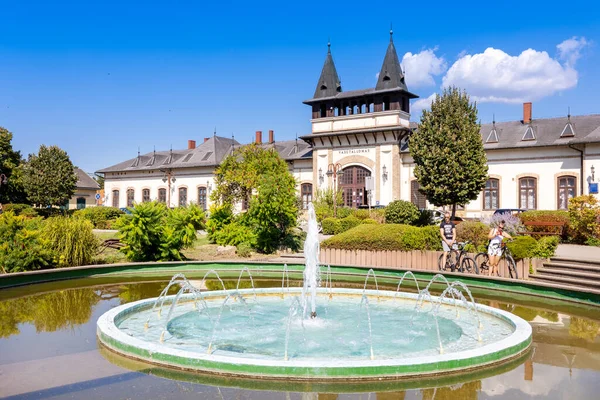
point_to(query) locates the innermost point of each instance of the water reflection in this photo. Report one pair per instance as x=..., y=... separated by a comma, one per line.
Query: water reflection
x=564, y=361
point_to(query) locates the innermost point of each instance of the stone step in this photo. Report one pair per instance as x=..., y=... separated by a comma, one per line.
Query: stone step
x=567, y=281
x=558, y=285
x=575, y=261
x=569, y=273
x=591, y=268
x=292, y=255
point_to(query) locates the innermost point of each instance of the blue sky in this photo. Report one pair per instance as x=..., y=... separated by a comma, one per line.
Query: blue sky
x=102, y=78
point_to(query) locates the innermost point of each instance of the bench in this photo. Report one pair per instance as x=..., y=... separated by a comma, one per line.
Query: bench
x=111, y=243
x=529, y=225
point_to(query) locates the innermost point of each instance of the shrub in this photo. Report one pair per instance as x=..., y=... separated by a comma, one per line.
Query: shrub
x=294, y=239
x=331, y=226
x=71, y=239
x=53, y=212
x=184, y=222
x=512, y=223
x=21, y=246
x=546, y=247
x=361, y=213
x=584, y=212
x=541, y=216
x=322, y=212
x=369, y=221
x=99, y=216
x=348, y=223
x=473, y=231
x=522, y=247
x=378, y=215
x=244, y=249
x=343, y=212
x=219, y=217
x=401, y=212
x=21, y=209
x=386, y=237
x=235, y=233
x=425, y=218
x=142, y=231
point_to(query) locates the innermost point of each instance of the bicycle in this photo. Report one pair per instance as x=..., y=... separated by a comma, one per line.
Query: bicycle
x=483, y=260
x=457, y=257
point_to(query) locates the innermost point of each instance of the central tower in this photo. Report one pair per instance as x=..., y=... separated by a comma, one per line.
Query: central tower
x=359, y=132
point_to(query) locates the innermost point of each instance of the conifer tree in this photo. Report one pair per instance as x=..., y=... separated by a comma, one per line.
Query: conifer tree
x=451, y=165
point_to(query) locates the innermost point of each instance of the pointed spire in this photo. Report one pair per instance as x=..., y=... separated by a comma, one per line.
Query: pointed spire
x=391, y=75
x=329, y=83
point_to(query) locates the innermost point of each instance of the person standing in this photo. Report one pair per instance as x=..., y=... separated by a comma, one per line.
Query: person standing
x=496, y=236
x=448, y=233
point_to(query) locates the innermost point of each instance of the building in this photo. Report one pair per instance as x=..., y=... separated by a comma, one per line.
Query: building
x=85, y=191
x=361, y=136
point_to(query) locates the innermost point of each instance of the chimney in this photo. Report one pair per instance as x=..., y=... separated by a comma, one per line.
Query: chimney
x=206, y=139
x=526, y=113
x=191, y=144
x=259, y=137
x=271, y=138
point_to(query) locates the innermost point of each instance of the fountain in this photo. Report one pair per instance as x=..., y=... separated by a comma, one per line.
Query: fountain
x=316, y=331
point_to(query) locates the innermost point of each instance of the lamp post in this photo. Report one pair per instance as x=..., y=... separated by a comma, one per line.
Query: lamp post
x=335, y=170
x=168, y=178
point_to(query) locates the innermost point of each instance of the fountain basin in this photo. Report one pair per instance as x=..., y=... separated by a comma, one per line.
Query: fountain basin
x=404, y=352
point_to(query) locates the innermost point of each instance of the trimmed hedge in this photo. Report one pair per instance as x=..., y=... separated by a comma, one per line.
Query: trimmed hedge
x=473, y=231
x=522, y=247
x=331, y=226
x=386, y=237
x=401, y=212
x=541, y=216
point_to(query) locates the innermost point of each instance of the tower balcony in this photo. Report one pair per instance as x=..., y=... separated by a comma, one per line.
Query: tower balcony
x=380, y=119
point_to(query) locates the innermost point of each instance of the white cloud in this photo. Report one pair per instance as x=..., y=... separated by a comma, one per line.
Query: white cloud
x=422, y=104
x=422, y=67
x=570, y=49
x=495, y=76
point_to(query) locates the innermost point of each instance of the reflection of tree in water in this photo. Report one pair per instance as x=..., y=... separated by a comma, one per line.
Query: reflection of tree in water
x=583, y=328
x=138, y=291
x=456, y=392
x=527, y=313
x=48, y=312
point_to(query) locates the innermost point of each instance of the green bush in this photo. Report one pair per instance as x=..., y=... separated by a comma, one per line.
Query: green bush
x=322, y=212
x=473, y=231
x=21, y=244
x=331, y=226
x=401, y=212
x=71, y=239
x=522, y=247
x=386, y=237
x=584, y=212
x=184, y=222
x=20, y=209
x=49, y=212
x=369, y=221
x=348, y=223
x=343, y=212
x=378, y=215
x=244, y=249
x=234, y=234
x=219, y=217
x=100, y=217
x=541, y=216
x=425, y=218
x=294, y=239
x=361, y=213
x=546, y=247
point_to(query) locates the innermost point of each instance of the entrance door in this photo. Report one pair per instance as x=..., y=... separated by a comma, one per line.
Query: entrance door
x=352, y=185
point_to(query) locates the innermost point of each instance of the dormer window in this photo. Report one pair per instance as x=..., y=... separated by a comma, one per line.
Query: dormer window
x=568, y=131
x=323, y=87
x=187, y=157
x=492, y=137
x=386, y=78
x=529, y=134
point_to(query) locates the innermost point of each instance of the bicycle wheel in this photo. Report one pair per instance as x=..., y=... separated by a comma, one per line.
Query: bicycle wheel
x=512, y=267
x=469, y=265
x=450, y=261
x=482, y=260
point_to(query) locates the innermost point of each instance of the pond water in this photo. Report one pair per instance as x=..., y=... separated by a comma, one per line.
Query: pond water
x=48, y=349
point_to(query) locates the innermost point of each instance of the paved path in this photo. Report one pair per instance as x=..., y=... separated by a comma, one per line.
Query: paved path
x=576, y=251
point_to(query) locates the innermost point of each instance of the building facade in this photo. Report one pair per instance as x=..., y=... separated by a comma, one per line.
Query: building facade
x=359, y=139
x=85, y=192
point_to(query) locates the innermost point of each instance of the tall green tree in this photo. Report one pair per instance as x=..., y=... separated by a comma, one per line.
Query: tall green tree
x=451, y=165
x=49, y=177
x=11, y=186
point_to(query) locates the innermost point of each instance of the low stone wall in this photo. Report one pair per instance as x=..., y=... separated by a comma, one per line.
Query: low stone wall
x=413, y=260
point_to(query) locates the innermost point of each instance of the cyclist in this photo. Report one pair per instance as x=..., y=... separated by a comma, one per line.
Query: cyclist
x=448, y=233
x=496, y=236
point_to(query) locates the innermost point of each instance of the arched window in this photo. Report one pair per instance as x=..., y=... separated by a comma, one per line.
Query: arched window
x=528, y=193
x=115, y=198
x=130, y=197
x=162, y=195
x=202, y=197
x=182, y=197
x=145, y=195
x=306, y=192
x=80, y=203
x=416, y=197
x=567, y=188
x=491, y=194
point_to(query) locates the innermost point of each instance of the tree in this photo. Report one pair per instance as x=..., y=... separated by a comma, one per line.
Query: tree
x=451, y=165
x=10, y=166
x=49, y=177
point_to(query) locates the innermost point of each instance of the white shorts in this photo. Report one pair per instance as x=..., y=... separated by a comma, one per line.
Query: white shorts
x=495, y=249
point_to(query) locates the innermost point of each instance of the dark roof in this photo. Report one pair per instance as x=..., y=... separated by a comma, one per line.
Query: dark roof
x=391, y=75
x=209, y=153
x=289, y=149
x=546, y=132
x=84, y=181
x=329, y=83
